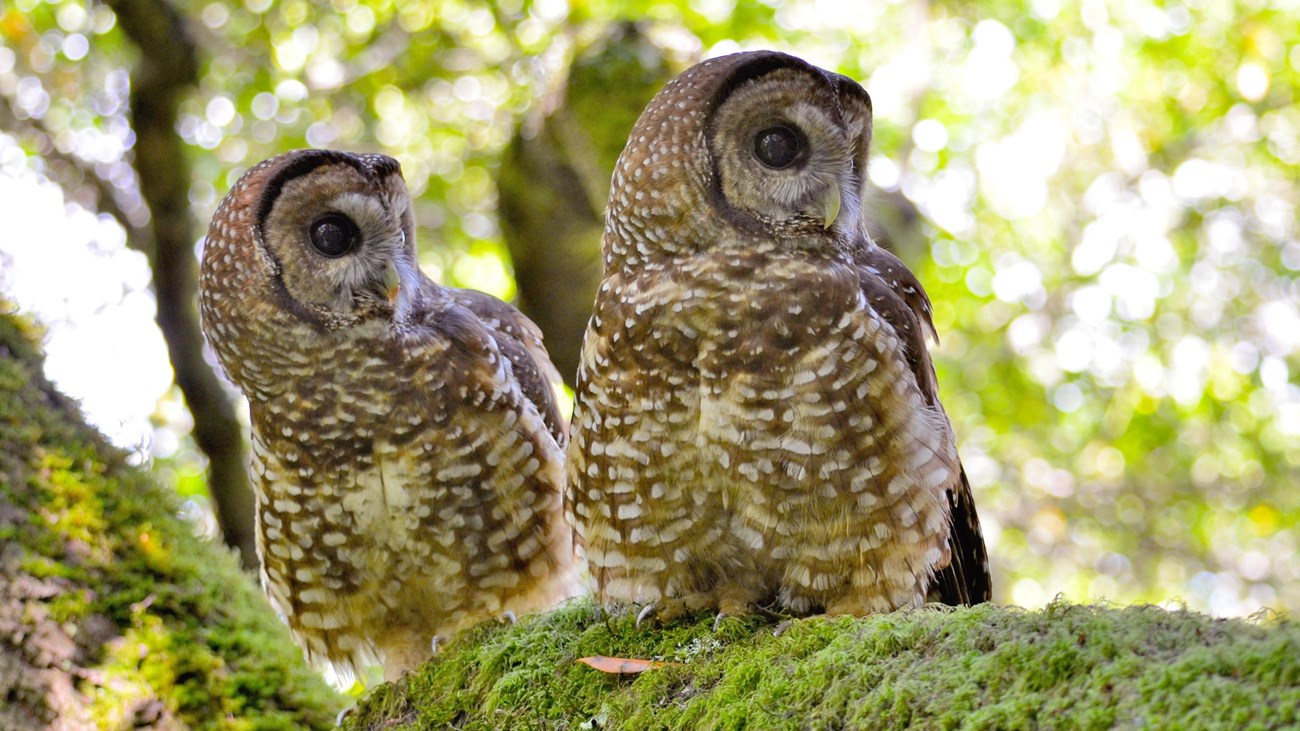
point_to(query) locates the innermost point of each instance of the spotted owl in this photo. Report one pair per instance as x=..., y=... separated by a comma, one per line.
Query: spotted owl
x=407, y=448
x=757, y=418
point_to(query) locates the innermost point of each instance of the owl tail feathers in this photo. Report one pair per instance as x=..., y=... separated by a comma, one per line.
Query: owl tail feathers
x=343, y=669
x=570, y=584
x=569, y=572
x=966, y=579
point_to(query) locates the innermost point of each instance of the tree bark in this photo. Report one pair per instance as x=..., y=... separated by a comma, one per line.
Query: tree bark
x=167, y=71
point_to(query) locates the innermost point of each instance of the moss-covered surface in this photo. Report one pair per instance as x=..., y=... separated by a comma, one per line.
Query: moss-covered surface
x=988, y=667
x=112, y=614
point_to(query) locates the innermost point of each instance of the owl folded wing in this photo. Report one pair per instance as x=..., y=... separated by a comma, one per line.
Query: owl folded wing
x=894, y=291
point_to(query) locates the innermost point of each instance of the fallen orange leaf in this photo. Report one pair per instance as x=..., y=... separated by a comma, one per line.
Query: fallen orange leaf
x=622, y=665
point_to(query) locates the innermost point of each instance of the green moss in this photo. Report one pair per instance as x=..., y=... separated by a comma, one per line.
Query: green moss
x=986, y=667
x=178, y=623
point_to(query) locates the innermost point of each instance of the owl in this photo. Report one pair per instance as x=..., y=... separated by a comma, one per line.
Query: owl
x=757, y=419
x=407, y=448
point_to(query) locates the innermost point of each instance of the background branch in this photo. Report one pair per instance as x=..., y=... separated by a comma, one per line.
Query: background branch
x=166, y=72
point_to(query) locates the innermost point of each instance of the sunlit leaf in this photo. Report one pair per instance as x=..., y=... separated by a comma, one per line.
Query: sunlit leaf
x=622, y=665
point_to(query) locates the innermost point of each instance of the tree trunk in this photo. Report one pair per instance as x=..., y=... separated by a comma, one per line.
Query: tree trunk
x=168, y=70
x=554, y=180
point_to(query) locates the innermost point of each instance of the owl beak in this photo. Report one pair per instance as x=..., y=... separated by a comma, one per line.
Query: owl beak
x=831, y=205
x=392, y=282
x=405, y=283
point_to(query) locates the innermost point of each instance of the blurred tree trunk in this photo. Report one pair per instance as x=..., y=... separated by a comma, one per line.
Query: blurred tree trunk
x=895, y=224
x=168, y=70
x=555, y=178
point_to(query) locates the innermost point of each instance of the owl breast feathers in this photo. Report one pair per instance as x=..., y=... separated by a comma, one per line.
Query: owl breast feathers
x=757, y=415
x=407, y=449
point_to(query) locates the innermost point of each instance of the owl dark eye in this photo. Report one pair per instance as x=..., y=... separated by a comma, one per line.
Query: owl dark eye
x=778, y=147
x=334, y=235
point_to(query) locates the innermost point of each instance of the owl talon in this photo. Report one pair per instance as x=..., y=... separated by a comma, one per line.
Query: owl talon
x=646, y=611
x=508, y=617
x=436, y=643
x=717, y=621
x=782, y=627
x=343, y=714
x=669, y=608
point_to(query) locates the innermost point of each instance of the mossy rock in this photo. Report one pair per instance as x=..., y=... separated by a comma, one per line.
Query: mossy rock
x=112, y=613
x=987, y=667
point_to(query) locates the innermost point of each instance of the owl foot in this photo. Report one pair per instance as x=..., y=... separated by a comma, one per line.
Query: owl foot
x=778, y=630
x=646, y=611
x=717, y=621
x=734, y=604
x=666, y=610
x=507, y=617
x=436, y=643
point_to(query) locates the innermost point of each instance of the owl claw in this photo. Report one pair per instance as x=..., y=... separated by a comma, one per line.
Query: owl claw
x=782, y=627
x=717, y=621
x=646, y=611
x=436, y=643
x=343, y=714
x=508, y=617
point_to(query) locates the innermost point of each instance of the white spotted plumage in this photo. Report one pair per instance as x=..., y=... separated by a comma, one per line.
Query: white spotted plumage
x=407, y=453
x=756, y=415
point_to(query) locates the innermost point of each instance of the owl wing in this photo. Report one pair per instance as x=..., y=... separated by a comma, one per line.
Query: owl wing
x=894, y=291
x=520, y=340
x=495, y=447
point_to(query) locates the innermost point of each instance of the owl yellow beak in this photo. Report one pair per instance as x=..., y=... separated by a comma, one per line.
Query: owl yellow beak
x=831, y=205
x=392, y=282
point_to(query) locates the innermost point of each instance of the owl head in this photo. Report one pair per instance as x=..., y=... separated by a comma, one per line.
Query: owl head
x=761, y=144
x=322, y=236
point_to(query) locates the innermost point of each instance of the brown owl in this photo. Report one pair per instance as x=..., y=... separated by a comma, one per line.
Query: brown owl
x=407, y=448
x=757, y=416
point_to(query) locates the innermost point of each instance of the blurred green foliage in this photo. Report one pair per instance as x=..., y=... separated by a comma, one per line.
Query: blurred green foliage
x=1108, y=190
